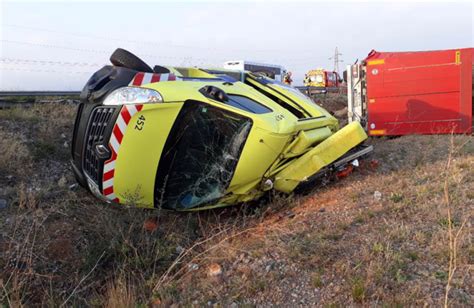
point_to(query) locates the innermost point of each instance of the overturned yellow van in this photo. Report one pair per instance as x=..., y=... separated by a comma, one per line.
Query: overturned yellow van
x=192, y=138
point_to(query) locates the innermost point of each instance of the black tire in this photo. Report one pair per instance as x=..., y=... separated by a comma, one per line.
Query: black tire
x=124, y=58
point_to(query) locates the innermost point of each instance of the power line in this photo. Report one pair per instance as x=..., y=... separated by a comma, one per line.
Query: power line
x=43, y=71
x=125, y=40
x=97, y=51
x=53, y=46
x=199, y=61
x=156, y=44
x=182, y=60
x=46, y=62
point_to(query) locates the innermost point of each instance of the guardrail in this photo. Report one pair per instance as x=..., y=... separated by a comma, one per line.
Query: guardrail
x=38, y=93
x=310, y=90
x=26, y=99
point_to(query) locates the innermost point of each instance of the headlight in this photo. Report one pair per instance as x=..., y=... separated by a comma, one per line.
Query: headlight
x=133, y=95
x=319, y=78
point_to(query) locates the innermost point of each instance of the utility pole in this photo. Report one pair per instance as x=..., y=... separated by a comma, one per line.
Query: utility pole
x=336, y=60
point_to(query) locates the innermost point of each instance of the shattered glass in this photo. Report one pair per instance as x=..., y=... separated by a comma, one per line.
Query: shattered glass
x=200, y=156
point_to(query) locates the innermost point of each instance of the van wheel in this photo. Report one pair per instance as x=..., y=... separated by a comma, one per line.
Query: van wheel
x=124, y=58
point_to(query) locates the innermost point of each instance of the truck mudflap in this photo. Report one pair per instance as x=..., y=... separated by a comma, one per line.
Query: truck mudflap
x=321, y=156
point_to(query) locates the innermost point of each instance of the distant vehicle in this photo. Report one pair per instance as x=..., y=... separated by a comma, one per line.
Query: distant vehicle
x=402, y=93
x=321, y=81
x=276, y=72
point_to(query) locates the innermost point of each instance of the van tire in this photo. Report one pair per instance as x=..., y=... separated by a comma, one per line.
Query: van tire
x=124, y=58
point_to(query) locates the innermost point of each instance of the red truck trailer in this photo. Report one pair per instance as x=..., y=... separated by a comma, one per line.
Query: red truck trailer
x=402, y=93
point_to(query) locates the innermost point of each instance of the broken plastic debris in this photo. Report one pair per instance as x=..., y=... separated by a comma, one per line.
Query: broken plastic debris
x=374, y=163
x=267, y=185
x=377, y=195
x=179, y=249
x=150, y=224
x=215, y=269
x=345, y=172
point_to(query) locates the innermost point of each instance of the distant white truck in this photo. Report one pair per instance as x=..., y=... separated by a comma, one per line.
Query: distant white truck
x=273, y=71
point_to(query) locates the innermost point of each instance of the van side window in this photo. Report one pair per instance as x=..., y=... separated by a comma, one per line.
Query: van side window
x=247, y=104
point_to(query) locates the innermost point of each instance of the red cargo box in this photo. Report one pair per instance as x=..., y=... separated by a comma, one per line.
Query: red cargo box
x=427, y=92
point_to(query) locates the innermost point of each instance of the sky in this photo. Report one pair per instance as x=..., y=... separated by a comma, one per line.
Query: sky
x=58, y=45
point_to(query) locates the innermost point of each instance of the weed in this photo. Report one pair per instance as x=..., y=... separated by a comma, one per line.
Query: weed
x=169, y=293
x=412, y=255
x=14, y=153
x=377, y=248
x=258, y=285
x=441, y=275
x=396, y=197
x=400, y=276
x=120, y=293
x=333, y=236
x=445, y=222
x=316, y=280
x=398, y=267
x=360, y=219
x=43, y=150
x=370, y=214
x=358, y=290
x=26, y=198
x=392, y=305
x=303, y=247
x=20, y=114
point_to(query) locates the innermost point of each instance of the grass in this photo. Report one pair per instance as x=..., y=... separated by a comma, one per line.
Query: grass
x=316, y=280
x=43, y=150
x=396, y=197
x=358, y=290
x=336, y=246
x=14, y=152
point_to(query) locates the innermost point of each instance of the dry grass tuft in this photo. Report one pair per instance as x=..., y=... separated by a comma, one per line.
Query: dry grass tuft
x=455, y=233
x=15, y=155
x=120, y=294
x=26, y=199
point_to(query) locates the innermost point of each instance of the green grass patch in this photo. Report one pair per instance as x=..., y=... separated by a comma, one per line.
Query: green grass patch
x=358, y=290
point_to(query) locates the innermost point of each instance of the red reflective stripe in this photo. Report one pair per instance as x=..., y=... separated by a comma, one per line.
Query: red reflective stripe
x=155, y=78
x=118, y=134
x=137, y=81
x=125, y=115
x=109, y=175
x=109, y=190
x=172, y=77
x=113, y=156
